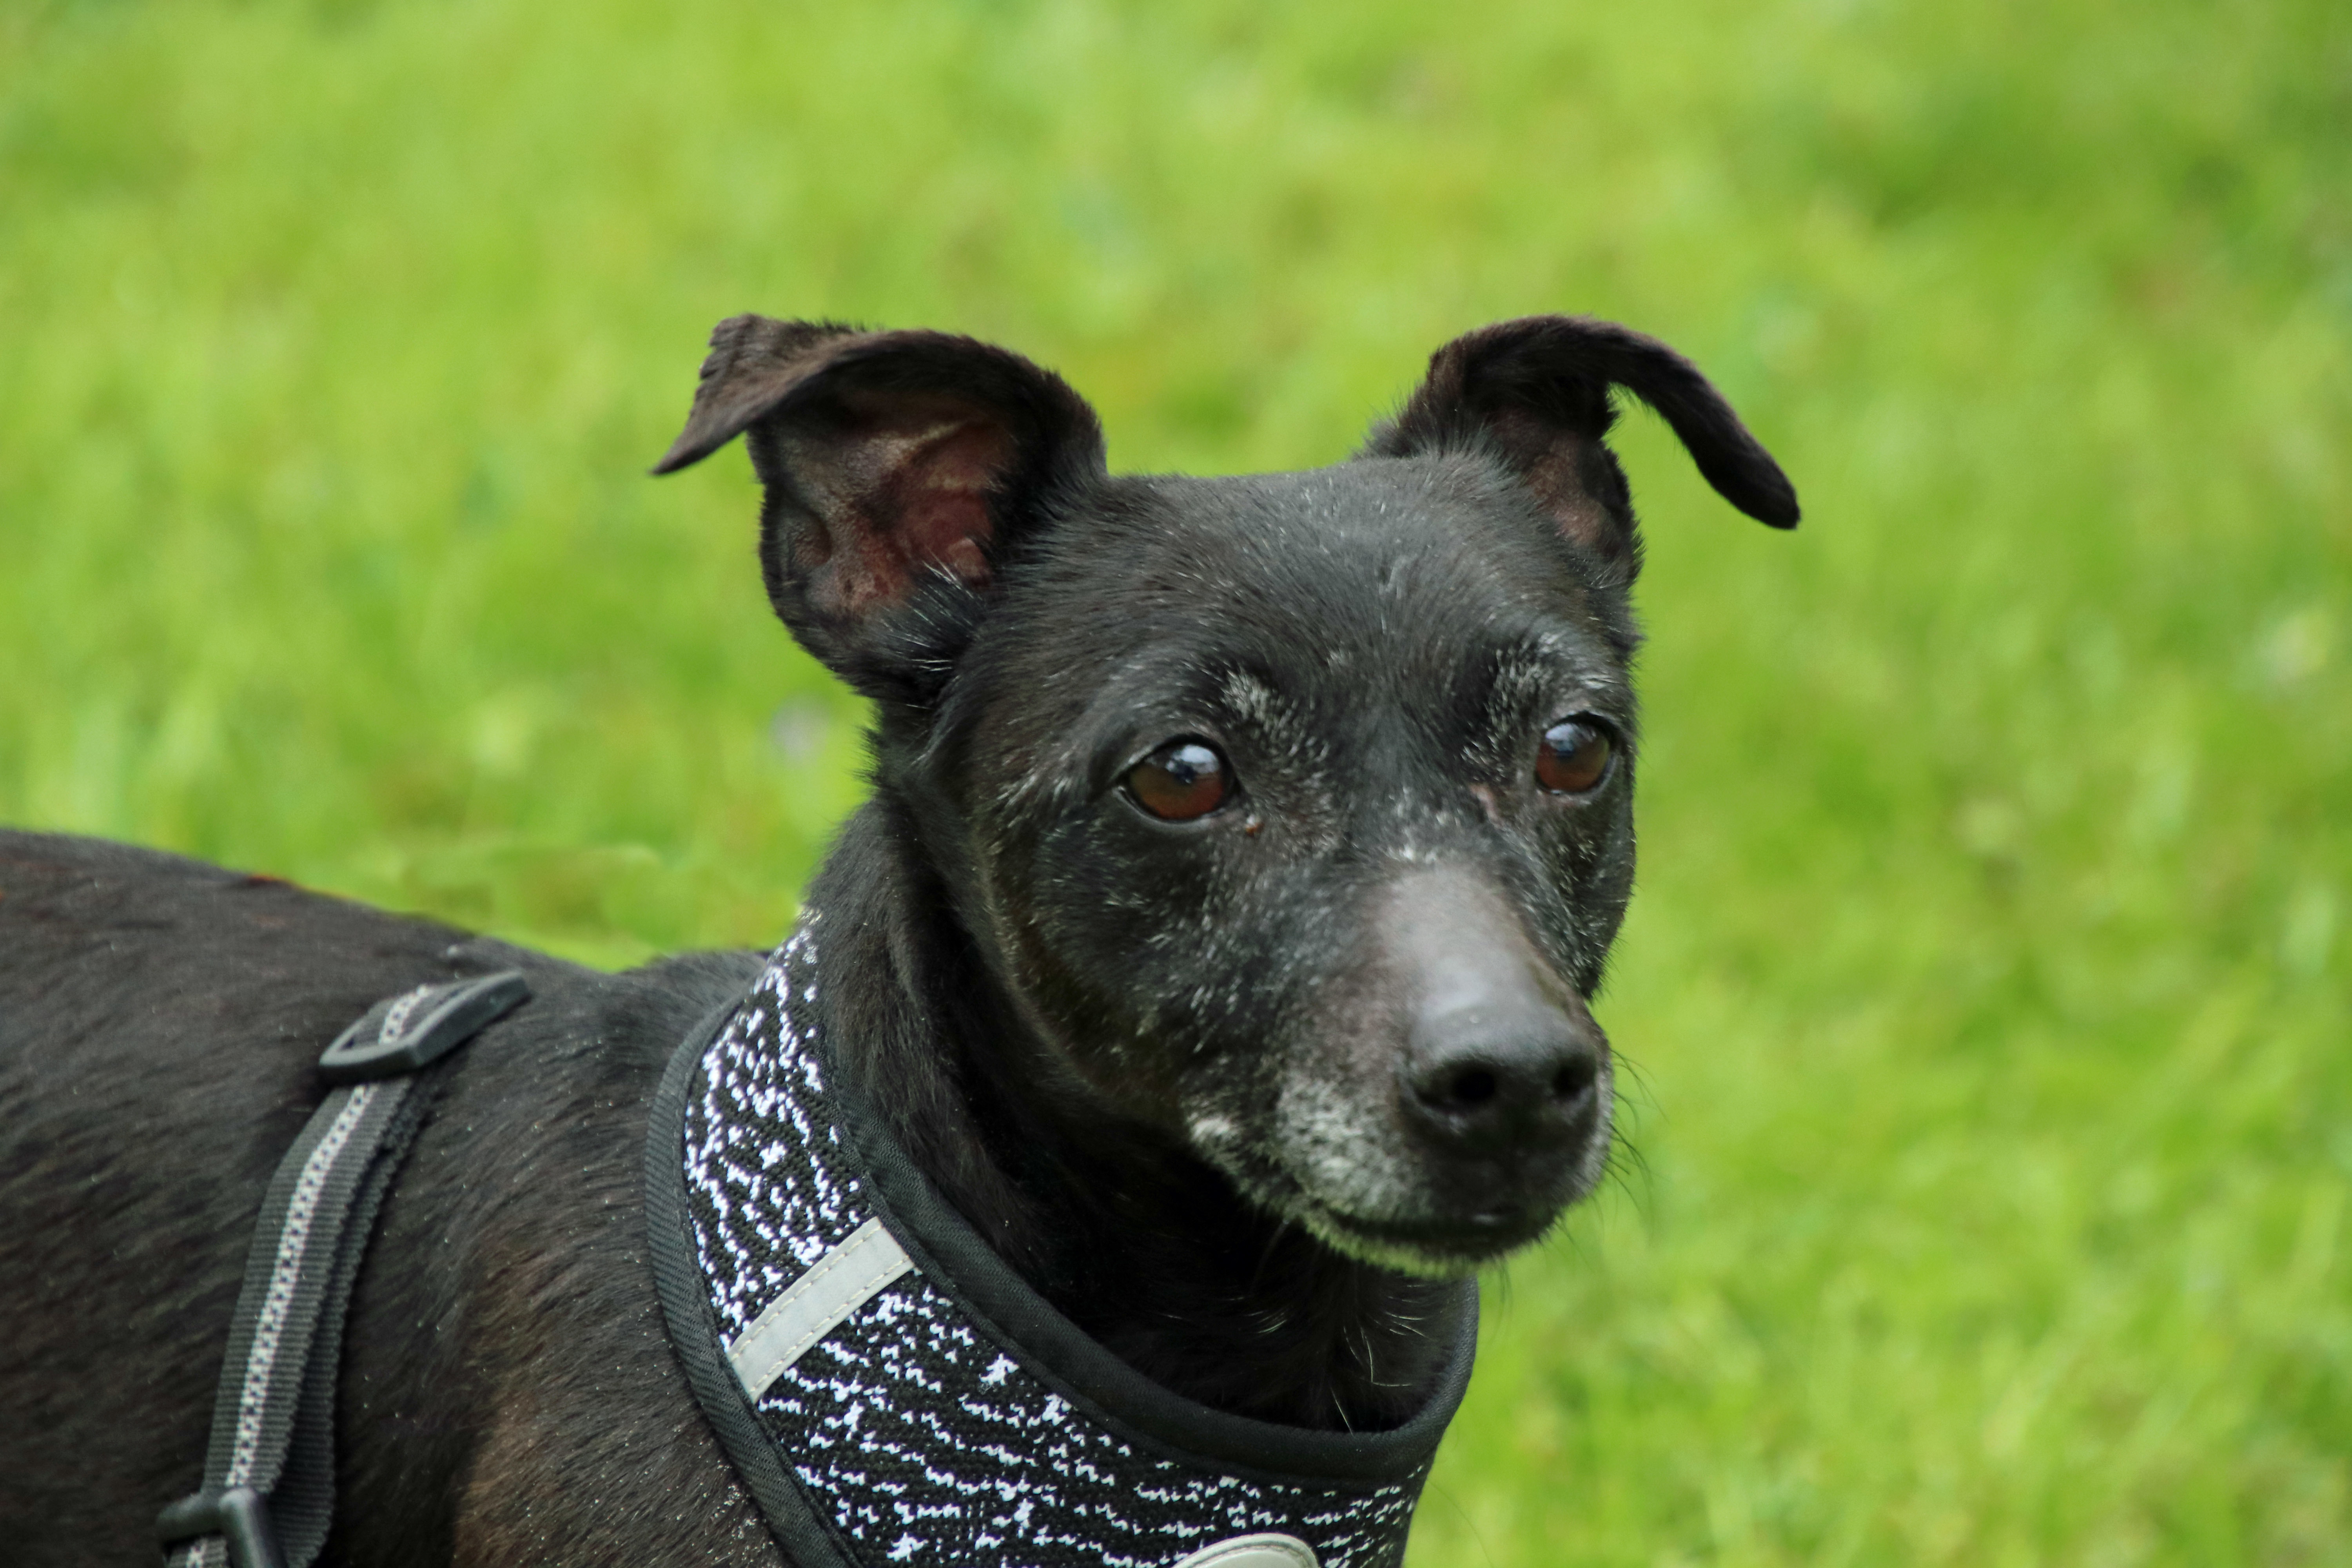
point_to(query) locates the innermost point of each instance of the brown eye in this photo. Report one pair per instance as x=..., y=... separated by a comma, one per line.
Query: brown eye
x=1574, y=757
x=1180, y=781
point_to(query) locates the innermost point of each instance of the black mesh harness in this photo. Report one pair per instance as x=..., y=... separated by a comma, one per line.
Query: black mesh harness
x=889, y=1391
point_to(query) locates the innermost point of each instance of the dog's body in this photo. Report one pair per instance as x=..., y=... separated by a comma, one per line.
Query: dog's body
x=1242, y=855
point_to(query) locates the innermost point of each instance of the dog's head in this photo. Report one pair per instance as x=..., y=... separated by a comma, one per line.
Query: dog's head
x=1291, y=815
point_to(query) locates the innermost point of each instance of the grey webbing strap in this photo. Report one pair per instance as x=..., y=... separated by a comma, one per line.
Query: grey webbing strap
x=269, y=1493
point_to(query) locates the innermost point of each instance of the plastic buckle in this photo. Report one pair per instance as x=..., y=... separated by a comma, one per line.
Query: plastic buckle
x=238, y=1515
x=420, y=1027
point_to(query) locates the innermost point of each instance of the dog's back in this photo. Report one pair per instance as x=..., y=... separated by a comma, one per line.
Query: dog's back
x=160, y=1020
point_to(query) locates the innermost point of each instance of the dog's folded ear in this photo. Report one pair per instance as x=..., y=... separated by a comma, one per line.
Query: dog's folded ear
x=1536, y=391
x=898, y=467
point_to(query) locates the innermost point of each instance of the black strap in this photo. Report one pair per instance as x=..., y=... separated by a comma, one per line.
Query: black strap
x=268, y=1495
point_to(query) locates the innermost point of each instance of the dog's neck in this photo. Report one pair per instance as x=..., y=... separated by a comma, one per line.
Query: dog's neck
x=1142, y=1246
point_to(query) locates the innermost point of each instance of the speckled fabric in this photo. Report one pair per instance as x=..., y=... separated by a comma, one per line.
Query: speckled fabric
x=918, y=1435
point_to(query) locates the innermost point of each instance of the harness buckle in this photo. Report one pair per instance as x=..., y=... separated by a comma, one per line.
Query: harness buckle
x=420, y=1027
x=238, y=1515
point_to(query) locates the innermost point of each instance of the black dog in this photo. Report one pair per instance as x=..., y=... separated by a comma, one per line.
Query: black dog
x=1217, y=939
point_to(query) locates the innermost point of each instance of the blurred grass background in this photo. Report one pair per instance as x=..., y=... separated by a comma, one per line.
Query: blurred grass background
x=1986, y=990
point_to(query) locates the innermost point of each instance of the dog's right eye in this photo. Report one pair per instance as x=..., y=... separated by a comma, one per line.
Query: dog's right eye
x=1180, y=781
x=1574, y=757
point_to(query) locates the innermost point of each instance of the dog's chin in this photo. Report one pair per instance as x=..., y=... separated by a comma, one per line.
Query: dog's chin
x=1408, y=1227
x=1435, y=1249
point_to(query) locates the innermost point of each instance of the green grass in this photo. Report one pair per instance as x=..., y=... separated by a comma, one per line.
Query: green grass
x=1989, y=984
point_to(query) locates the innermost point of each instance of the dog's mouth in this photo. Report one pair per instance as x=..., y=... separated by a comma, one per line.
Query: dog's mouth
x=1366, y=1188
x=1440, y=1239
x=1433, y=1246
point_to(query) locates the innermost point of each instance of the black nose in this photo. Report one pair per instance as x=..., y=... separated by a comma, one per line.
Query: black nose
x=1501, y=1069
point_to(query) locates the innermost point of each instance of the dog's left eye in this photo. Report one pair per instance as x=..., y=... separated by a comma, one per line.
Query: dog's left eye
x=1574, y=757
x=1180, y=781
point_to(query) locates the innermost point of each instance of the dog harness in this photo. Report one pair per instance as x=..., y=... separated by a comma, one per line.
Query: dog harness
x=890, y=1392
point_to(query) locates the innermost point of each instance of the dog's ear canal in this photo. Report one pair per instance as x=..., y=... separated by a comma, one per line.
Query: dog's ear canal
x=899, y=468
x=1536, y=391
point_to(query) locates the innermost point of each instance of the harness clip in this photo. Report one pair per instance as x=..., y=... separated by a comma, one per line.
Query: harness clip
x=420, y=1027
x=238, y=1515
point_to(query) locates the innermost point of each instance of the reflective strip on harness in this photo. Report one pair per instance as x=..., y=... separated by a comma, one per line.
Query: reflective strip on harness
x=836, y=1285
